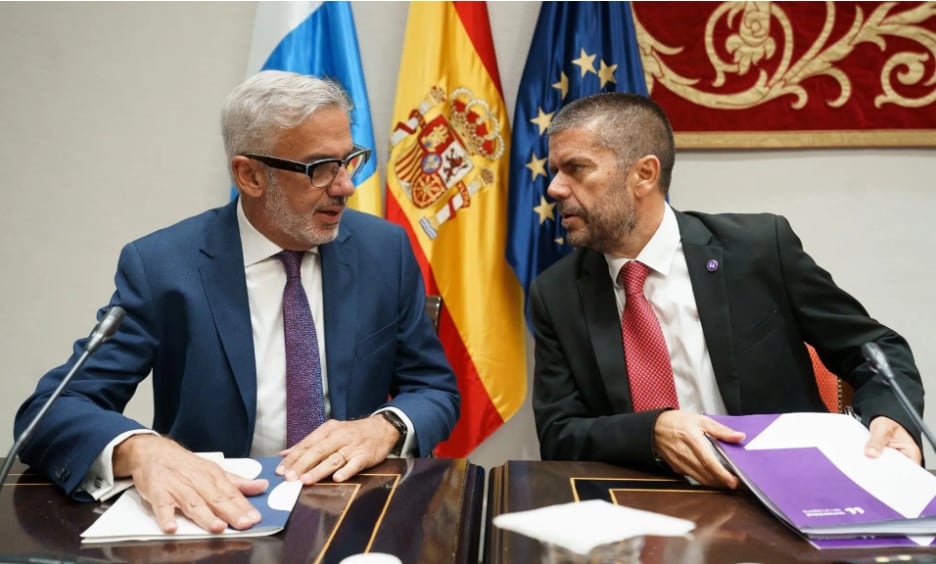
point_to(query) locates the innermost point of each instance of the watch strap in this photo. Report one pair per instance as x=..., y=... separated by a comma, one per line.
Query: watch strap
x=395, y=420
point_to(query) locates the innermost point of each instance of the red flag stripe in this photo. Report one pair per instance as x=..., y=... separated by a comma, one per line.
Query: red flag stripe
x=477, y=25
x=479, y=417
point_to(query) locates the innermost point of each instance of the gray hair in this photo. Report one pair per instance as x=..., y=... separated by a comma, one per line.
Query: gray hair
x=630, y=125
x=273, y=101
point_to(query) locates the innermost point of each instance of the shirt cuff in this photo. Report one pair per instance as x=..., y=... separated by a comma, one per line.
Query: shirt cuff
x=99, y=482
x=409, y=444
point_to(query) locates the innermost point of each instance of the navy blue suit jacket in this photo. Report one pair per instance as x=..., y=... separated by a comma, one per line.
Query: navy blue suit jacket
x=188, y=321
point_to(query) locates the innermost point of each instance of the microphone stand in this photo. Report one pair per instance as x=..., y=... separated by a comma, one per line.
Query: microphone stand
x=908, y=407
x=21, y=440
x=101, y=333
x=878, y=362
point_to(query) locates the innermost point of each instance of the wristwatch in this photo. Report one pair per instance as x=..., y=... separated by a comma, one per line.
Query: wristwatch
x=395, y=420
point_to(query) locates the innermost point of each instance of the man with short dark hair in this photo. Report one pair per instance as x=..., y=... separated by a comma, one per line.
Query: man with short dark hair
x=280, y=323
x=662, y=316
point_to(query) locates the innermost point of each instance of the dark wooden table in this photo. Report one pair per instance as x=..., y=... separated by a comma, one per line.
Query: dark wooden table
x=731, y=526
x=421, y=510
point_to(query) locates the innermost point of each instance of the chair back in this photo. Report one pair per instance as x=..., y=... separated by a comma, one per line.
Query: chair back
x=434, y=309
x=836, y=394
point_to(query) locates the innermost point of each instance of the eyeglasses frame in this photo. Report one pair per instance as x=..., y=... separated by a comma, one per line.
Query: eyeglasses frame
x=308, y=169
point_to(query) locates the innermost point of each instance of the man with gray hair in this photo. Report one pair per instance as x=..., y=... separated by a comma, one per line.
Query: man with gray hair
x=662, y=316
x=280, y=324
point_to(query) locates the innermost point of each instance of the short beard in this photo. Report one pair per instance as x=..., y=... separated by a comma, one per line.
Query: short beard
x=610, y=222
x=294, y=225
x=608, y=233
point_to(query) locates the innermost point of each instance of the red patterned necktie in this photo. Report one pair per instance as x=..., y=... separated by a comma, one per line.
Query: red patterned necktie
x=305, y=404
x=648, y=363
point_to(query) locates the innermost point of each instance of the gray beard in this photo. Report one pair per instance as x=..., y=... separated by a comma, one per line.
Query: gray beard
x=295, y=225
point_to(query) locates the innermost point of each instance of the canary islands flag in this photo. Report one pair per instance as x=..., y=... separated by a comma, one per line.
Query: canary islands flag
x=319, y=38
x=447, y=186
x=578, y=49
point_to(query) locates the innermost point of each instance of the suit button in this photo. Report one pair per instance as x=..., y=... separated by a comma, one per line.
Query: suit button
x=63, y=474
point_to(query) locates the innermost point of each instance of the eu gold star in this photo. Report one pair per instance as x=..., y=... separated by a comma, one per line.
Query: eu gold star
x=545, y=209
x=537, y=166
x=586, y=62
x=542, y=119
x=606, y=73
x=563, y=84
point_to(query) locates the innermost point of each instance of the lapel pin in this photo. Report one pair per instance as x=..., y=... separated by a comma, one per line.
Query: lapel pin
x=711, y=265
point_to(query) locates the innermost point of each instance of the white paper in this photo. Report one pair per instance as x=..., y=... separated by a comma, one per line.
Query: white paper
x=582, y=526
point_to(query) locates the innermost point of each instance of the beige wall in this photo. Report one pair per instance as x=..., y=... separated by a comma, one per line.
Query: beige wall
x=109, y=130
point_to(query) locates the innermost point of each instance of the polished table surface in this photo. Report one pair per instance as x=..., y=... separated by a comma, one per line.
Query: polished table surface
x=732, y=527
x=421, y=510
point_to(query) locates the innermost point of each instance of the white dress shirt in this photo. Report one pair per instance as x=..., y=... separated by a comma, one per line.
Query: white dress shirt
x=266, y=279
x=669, y=291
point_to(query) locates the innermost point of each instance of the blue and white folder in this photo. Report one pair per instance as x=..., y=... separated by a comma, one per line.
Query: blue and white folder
x=130, y=518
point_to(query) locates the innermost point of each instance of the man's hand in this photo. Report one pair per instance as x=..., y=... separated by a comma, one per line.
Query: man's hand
x=886, y=432
x=680, y=440
x=170, y=477
x=339, y=449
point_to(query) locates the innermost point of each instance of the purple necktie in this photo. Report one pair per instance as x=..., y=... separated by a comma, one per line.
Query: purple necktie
x=305, y=406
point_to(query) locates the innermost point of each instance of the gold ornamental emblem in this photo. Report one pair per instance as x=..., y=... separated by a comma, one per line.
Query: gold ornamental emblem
x=446, y=148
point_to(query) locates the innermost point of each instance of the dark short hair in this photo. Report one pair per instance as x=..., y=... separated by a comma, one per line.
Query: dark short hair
x=631, y=125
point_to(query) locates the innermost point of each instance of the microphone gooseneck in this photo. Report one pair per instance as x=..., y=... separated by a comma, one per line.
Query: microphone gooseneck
x=101, y=333
x=879, y=365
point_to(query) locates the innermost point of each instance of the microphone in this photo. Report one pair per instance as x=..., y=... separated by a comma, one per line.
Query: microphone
x=879, y=365
x=101, y=333
x=104, y=329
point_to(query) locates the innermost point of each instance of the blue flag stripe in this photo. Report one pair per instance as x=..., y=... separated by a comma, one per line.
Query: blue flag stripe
x=578, y=49
x=325, y=44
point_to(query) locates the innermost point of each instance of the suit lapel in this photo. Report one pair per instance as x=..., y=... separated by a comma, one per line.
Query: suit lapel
x=604, y=329
x=341, y=314
x=225, y=286
x=711, y=296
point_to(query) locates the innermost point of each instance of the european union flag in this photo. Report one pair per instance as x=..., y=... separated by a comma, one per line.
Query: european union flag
x=578, y=48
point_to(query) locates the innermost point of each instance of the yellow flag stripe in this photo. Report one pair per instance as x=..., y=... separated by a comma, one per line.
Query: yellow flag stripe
x=366, y=197
x=467, y=260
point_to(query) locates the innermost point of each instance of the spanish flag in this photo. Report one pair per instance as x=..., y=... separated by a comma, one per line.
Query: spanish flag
x=447, y=186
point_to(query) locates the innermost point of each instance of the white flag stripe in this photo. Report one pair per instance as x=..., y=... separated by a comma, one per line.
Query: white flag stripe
x=272, y=22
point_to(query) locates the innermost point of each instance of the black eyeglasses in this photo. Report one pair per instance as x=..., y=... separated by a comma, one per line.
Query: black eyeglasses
x=321, y=172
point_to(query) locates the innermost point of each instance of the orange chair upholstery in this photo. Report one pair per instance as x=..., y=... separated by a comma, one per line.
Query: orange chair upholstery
x=836, y=394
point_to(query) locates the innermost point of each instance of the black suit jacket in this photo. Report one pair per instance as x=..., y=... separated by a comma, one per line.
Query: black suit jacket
x=765, y=299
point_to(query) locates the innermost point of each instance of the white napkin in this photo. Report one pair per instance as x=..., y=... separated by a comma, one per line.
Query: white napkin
x=580, y=527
